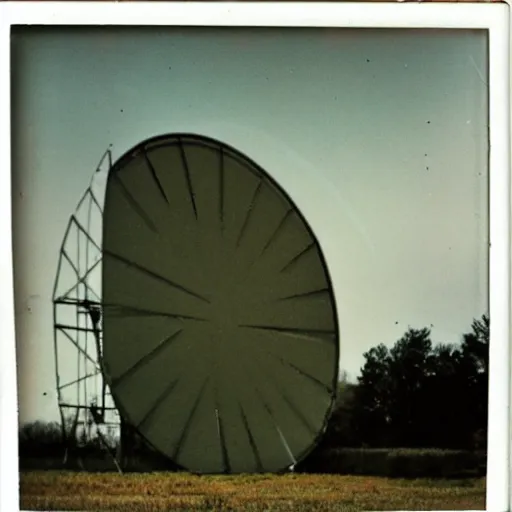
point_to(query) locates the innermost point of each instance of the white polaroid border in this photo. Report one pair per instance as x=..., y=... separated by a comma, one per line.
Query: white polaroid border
x=495, y=17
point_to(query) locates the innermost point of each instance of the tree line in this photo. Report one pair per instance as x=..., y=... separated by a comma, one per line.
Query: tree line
x=417, y=394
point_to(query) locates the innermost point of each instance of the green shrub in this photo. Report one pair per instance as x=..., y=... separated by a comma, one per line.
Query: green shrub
x=435, y=463
x=404, y=463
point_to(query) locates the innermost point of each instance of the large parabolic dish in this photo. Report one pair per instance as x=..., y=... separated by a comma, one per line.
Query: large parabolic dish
x=220, y=336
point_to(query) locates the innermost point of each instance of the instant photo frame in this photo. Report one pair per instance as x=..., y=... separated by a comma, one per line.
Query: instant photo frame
x=493, y=17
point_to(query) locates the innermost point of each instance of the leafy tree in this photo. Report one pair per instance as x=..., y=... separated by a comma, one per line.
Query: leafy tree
x=441, y=419
x=372, y=398
x=475, y=372
x=408, y=369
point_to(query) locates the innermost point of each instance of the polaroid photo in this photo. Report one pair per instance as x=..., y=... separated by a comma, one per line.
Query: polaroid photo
x=256, y=256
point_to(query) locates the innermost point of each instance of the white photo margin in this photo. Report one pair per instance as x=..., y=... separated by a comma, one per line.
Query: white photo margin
x=494, y=17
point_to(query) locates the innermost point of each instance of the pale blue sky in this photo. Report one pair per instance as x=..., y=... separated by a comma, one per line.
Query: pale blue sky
x=380, y=137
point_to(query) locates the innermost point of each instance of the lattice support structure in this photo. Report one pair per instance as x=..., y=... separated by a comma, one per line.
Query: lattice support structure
x=86, y=407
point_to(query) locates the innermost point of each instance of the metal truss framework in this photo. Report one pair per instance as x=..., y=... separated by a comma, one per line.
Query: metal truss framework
x=86, y=406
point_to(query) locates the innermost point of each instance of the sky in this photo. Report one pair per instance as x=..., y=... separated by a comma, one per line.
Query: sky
x=379, y=137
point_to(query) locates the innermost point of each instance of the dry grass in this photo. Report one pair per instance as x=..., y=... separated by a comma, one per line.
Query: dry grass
x=59, y=490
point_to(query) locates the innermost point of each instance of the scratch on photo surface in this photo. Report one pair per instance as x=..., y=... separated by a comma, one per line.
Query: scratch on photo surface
x=479, y=73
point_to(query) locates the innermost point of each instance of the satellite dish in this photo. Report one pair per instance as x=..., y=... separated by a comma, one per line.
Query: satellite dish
x=220, y=337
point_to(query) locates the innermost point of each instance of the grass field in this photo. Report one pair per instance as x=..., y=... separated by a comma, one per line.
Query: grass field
x=60, y=490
